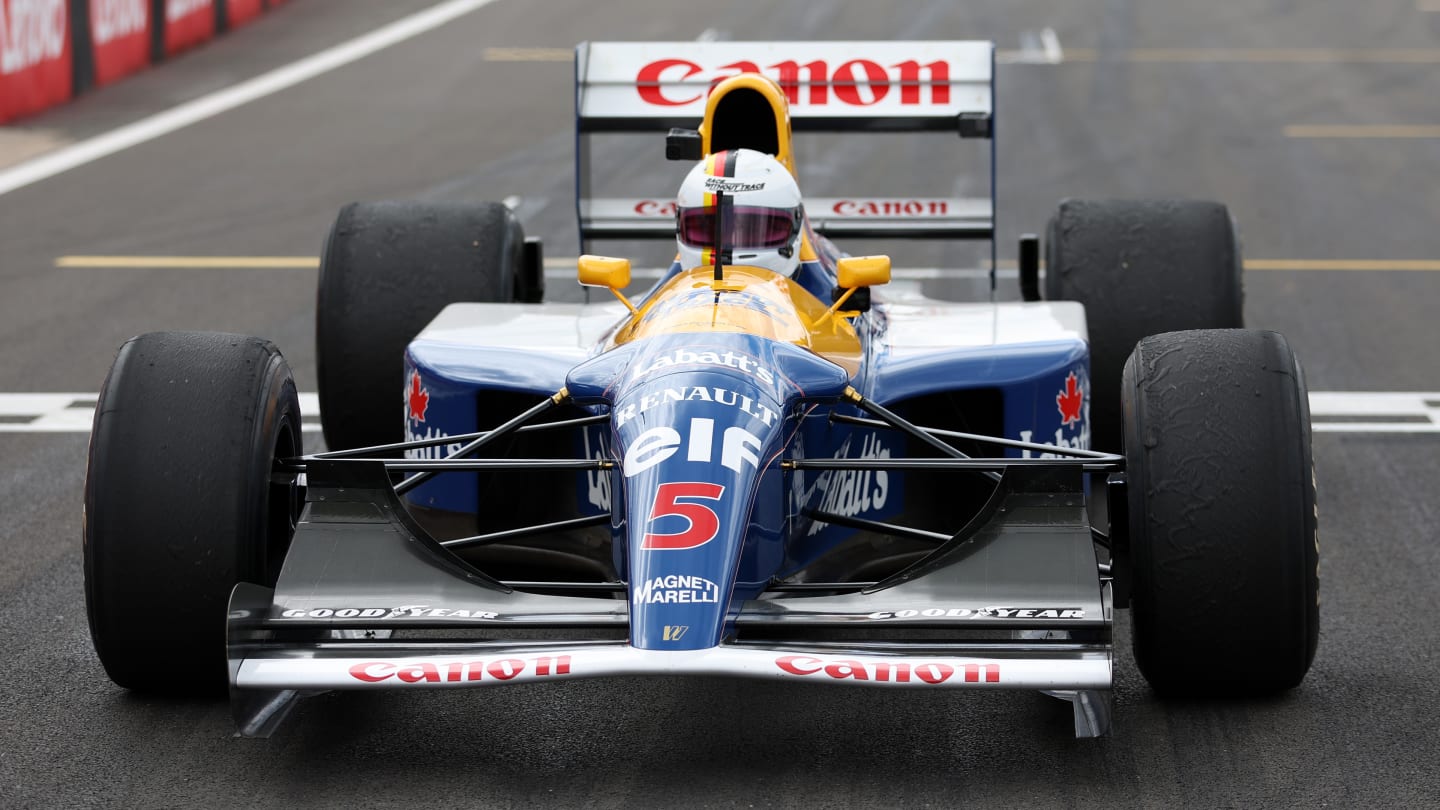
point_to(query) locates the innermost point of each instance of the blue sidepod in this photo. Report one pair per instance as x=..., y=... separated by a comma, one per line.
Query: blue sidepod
x=700, y=423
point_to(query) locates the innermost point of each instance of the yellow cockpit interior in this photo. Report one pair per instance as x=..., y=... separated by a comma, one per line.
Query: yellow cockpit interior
x=751, y=300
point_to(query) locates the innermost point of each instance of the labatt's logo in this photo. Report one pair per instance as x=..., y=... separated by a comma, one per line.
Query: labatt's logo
x=857, y=82
x=597, y=482
x=728, y=359
x=417, y=404
x=1074, y=409
x=853, y=492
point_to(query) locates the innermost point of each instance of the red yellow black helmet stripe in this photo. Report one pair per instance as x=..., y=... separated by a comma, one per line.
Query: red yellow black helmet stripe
x=722, y=163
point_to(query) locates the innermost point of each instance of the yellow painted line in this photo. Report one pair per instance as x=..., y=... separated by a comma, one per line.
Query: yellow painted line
x=529, y=54
x=1374, y=265
x=310, y=263
x=218, y=262
x=192, y=262
x=1374, y=56
x=1362, y=131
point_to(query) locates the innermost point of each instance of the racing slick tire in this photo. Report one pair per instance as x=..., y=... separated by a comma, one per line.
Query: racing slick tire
x=1223, y=529
x=387, y=270
x=181, y=502
x=1140, y=267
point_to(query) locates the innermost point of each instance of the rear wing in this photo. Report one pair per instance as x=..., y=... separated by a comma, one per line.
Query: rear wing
x=860, y=87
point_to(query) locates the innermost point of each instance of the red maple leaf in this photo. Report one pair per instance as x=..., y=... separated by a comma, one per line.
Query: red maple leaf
x=418, y=398
x=1070, y=400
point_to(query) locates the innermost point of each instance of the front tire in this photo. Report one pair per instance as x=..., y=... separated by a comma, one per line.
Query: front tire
x=181, y=502
x=1223, y=527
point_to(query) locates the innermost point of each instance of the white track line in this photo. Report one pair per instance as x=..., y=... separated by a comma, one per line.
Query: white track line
x=1363, y=412
x=183, y=115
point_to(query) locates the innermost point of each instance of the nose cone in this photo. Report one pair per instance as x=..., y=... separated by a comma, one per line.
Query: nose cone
x=699, y=423
x=696, y=445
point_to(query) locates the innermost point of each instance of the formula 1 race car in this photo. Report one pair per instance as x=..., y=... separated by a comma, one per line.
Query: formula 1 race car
x=764, y=466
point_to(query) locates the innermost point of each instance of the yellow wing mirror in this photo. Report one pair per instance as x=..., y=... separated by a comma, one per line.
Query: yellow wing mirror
x=612, y=273
x=853, y=273
x=863, y=271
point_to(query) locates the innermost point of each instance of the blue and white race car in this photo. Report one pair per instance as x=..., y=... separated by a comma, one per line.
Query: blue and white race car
x=771, y=464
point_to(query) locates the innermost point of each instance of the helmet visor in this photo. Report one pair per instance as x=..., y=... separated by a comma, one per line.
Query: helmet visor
x=746, y=227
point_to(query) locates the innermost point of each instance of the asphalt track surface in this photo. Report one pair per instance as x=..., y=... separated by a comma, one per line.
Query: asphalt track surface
x=1160, y=99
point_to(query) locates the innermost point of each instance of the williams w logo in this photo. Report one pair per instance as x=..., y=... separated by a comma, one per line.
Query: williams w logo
x=673, y=632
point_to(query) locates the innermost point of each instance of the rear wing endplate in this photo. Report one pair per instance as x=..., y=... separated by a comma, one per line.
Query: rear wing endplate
x=860, y=87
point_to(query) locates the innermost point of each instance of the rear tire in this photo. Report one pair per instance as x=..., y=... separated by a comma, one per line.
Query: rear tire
x=1223, y=529
x=387, y=271
x=1141, y=267
x=181, y=504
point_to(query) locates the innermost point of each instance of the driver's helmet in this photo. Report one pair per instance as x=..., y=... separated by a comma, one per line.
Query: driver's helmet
x=762, y=213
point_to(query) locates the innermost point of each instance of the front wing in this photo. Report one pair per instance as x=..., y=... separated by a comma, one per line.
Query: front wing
x=366, y=598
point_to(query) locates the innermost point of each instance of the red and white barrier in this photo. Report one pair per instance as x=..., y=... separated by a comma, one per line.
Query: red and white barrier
x=120, y=36
x=53, y=50
x=35, y=60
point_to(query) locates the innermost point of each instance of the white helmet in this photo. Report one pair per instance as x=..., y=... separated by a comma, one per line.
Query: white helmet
x=761, y=214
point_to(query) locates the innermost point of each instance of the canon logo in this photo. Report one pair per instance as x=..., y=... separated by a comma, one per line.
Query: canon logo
x=889, y=208
x=858, y=82
x=655, y=208
x=500, y=669
x=886, y=671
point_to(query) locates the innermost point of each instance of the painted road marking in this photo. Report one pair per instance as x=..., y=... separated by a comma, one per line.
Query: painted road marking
x=207, y=106
x=568, y=54
x=191, y=262
x=73, y=413
x=529, y=54
x=568, y=263
x=1362, y=131
x=1339, y=56
x=1330, y=412
x=1044, y=49
x=1346, y=265
x=1374, y=412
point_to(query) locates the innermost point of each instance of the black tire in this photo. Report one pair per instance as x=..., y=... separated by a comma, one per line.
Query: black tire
x=1223, y=530
x=180, y=504
x=1141, y=267
x=389, y=268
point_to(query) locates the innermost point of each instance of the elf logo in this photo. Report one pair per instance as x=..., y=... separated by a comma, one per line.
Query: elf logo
x=738, y=447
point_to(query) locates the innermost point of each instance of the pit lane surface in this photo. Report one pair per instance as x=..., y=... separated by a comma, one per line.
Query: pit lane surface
x=1153, y=98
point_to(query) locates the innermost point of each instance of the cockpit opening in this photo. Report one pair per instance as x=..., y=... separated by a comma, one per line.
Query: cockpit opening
x=744, y=119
